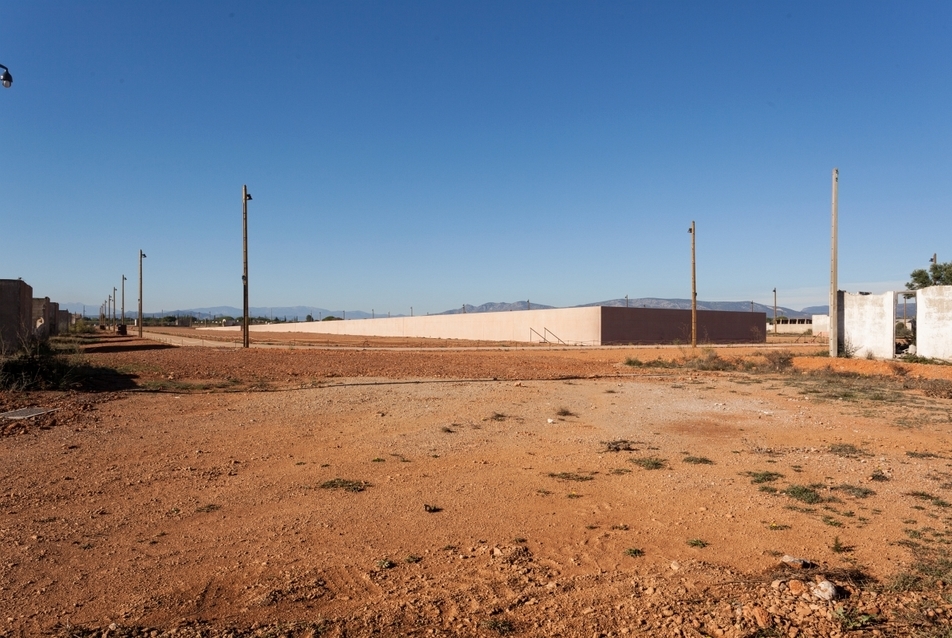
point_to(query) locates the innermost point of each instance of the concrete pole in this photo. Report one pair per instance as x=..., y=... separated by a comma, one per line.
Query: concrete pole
x=244, y=277
x=775, y=311
x=141, y=255
x=693, y=231
x=834, y=294
x=123, y=300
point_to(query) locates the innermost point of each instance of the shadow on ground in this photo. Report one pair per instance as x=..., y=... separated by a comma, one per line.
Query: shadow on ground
x=111, y=344
x=136, y=346
x=52, y=372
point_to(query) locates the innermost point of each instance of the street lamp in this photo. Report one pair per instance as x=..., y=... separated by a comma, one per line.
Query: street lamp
x=245, y=198
x=141, y=257
x=5, y=78
x=693, y=231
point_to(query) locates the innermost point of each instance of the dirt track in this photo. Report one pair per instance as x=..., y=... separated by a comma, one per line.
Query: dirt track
x=197, y=493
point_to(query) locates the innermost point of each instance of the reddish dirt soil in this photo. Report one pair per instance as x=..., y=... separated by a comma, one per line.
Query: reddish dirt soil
x=374, y=490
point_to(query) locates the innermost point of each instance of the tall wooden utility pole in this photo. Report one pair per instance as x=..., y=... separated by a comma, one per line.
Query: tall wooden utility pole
x=834, y=289
x=775, y=311
x=693, y=231
x=245, y=197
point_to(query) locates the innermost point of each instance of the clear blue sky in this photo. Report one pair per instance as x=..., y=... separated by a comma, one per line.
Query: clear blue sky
x=431, y=154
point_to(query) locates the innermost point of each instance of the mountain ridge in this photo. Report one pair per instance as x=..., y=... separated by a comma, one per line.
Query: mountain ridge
x=300, y=313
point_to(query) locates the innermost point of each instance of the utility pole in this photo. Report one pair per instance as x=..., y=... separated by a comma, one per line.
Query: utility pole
x=123, y=322
x=693, y=231
x=626, y=301
x=141, y=257
x=775, y=311
x=245, y=198
x=834, y=290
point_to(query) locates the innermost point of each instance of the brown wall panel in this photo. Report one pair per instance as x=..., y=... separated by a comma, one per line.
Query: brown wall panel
x=664, y=325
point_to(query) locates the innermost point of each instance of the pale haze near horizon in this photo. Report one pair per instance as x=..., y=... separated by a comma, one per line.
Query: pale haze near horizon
x=433, y=154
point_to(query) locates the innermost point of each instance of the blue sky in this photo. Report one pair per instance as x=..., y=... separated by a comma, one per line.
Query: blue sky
x=431, y=154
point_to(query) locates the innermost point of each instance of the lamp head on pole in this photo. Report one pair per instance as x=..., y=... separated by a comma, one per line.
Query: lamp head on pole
x=5, y=78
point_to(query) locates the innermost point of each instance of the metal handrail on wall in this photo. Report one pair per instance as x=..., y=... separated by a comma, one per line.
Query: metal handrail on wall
x=542, y=337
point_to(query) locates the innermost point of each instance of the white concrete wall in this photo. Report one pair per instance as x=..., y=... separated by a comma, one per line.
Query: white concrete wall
x=868, y=324
x=578, y=326
x=934, y=322
x=821, y=325
x=790, y=328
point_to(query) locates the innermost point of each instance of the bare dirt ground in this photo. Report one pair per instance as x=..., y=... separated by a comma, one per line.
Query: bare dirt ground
x=363, y=489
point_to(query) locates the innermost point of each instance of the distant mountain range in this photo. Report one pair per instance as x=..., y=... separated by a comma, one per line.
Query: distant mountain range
x=300, y=313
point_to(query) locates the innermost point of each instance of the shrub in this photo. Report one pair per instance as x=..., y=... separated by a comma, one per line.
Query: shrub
x=779, y=360
x=709, y=360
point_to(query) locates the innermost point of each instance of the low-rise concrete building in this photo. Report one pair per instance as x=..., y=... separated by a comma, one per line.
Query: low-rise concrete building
x=16, y=312
x=792, y=326
x=54, y=318
x=43, y=318
x=62, y=322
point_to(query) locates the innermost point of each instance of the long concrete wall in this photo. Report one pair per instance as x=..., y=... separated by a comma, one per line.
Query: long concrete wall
x=16, y=312
x=575, y=326
x=867, y=325
x=934, y=322
x=568, y=325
